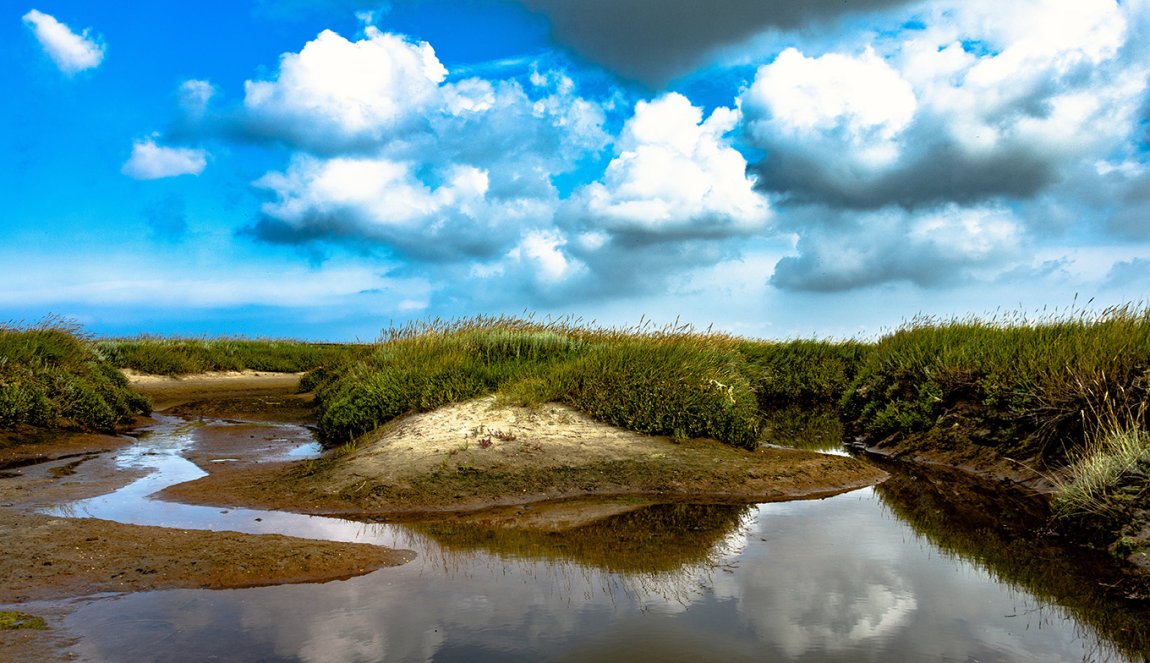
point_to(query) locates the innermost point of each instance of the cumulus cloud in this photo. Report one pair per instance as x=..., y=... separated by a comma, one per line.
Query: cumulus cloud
x=891, y=245
x=674, y=196
x=337, y=93
x=969, y=104
x=386, y=202
x=150, y=161
x=401, y=159
x=654, y=41
x=71, y=52
x=925, y=154
x=674, y=175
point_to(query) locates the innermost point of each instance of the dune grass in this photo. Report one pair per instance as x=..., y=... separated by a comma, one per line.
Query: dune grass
x=669, y=381
x=183, y=356
x=51, y=377
x=1108, y=481
x=1049, y=378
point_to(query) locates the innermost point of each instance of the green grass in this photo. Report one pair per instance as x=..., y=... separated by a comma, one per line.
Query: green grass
x=1045, y=381
x=183, y=356
x=1108, y=482
x=51, y=377
x=669, y=381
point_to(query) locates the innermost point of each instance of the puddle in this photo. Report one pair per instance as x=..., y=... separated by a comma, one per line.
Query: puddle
x=858, y=576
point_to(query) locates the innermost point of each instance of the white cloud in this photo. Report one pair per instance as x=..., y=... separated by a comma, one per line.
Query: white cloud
x=400, y=159
x=541, y=252
x=150, y=161
x=344, y=91
x=969, y=102
x=858, y=103
x=382, y=200
x=674, y=174
x=71, y=52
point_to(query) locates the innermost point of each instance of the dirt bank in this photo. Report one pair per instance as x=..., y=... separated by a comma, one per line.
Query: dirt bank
x=979, y=442
x=480, y=454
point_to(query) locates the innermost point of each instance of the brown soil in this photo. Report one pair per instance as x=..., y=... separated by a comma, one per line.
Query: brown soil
x=53, y=558
x=480, y=454
x=47, y=558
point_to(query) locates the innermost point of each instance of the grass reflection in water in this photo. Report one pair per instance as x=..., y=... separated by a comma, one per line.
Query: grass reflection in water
x=1005, y=534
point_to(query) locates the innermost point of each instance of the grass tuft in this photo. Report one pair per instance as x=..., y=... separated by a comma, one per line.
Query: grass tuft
x=1109, y=481
x=51, y=377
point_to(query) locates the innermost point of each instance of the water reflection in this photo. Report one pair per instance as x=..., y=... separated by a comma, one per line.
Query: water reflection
x=1004, y=534
x=642, y=538
x=804, y=427
x=841, y=579
x=836, y=580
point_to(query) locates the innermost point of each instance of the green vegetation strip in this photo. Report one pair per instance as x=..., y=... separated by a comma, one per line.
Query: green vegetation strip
x=183, y=356
x=1070, y=392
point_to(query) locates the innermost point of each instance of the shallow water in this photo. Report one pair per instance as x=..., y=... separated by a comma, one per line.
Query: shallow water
x=842, y=578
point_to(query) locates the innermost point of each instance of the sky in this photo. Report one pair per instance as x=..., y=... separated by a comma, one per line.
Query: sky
x=325, y=169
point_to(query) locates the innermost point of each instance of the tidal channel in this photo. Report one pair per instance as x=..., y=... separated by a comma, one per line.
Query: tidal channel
x=908, y=570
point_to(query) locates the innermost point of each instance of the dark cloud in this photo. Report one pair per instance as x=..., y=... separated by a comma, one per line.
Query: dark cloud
x=1128, y=272
x=655, y=41
x=942, y=248
x=1132, y=218
x=940, y=173
x=452, y=237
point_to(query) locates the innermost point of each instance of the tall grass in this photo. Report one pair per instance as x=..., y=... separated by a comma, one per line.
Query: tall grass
x=181, y=356
x=50, y=376
x=801, y=372
x=667, y=381
x=1043, y=379
x=1108, y=481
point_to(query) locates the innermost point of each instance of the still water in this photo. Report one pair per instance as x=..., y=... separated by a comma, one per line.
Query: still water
x=878, y=574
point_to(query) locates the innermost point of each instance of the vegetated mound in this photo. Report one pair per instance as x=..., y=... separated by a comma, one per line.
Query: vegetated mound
x=1030, y=402
x=670, y=381
x=480, y=453
x=51, y=377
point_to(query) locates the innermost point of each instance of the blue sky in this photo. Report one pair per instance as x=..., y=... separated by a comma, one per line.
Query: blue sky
x=323, y=169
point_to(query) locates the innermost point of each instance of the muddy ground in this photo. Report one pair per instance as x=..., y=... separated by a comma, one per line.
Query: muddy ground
x=50, y=558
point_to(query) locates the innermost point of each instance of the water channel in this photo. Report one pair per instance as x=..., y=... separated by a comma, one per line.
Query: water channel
x=900, y=571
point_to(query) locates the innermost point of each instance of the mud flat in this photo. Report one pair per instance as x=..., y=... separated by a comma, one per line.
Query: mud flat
x=48, y=557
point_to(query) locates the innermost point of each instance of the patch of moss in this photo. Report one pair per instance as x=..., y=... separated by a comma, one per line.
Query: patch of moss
x=11, y=620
